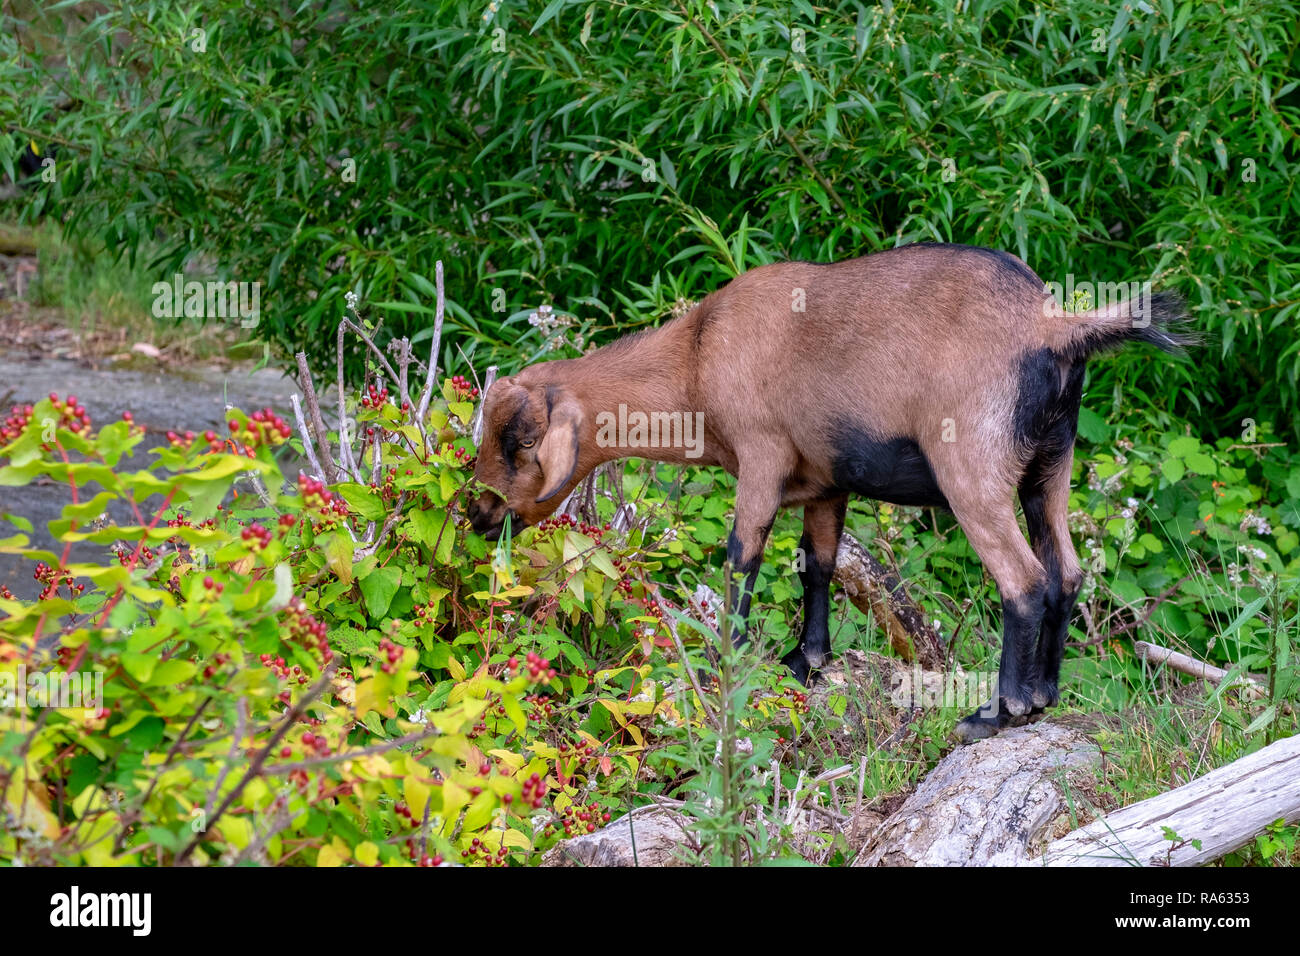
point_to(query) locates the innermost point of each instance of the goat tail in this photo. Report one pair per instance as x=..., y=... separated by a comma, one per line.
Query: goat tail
x=1157, y=318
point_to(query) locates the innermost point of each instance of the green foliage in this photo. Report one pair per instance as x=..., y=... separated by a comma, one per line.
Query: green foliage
x=243, y=683
x=613, y=160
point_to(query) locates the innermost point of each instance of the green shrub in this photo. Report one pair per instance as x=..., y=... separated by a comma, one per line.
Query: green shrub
x=611, y=160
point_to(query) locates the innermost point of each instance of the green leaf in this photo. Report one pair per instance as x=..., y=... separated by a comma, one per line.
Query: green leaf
x=1092, y=426
x=378, y=588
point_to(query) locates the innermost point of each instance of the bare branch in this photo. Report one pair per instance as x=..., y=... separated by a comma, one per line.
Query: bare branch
x=476, y=424
x=431, y=374
x=307, y=444
x=330, y=475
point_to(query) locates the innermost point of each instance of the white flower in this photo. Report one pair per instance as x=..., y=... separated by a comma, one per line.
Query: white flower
x=351, y=298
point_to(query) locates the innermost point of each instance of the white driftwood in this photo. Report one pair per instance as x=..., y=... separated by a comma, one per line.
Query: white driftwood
x=1155, y=654
x=1223, y=810
x=984, y=803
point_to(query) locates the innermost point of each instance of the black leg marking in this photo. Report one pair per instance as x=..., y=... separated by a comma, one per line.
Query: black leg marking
x=1021, y=619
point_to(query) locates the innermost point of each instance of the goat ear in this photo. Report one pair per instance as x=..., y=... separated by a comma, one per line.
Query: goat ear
x=558, y=455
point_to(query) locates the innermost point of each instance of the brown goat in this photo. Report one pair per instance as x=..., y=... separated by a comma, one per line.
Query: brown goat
x=933, y=375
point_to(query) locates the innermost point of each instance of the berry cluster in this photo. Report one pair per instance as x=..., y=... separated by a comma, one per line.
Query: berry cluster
x=256, y=535
x=650, y=630
x=73, y=416
x=568, y=521
x=320, y=501
x=462, y=457
x=214, y=588
x=279, y=667
x=426, y=614
x=582, y=749
x=394, y=654
x=478, y=850
x=390, y=476
x=124, y=556
x=705, y=612
x=539, y=707
x=218, y=661
x=53, y=579
x=464, y=389
x=374, y=397
x=625, y=583
x=534, y=791
x=13, y=425
x=180, y=521
x=796, y=700
x=316, y=745
x=576, y=817
x=264, y=427
x=306, y=630
x=186, y=440
x=539, y=668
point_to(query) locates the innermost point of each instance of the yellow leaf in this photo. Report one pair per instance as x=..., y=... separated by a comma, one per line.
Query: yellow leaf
x=367, y=854
x=328, y=856
x=614, y=708
x=513, y=837
x=236, y=830
x=456, y=668
x=368, y=699
x=416, y=792
x=511, y=759
x=454, y=796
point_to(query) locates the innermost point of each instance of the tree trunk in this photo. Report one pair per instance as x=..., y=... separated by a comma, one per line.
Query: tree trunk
x=1222, y=811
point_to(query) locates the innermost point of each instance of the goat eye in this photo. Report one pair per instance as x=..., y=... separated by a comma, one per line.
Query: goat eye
x=527, y=443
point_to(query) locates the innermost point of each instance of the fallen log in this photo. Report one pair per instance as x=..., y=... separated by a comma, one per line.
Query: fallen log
x=988, y=802
x=874, y=589
x=1222, y=811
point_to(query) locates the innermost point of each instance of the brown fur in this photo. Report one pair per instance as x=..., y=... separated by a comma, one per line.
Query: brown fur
x=923, y=343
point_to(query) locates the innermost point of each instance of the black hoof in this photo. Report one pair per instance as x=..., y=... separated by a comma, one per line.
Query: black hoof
x=798, y=665
x=989, y=720
x=1045, y=695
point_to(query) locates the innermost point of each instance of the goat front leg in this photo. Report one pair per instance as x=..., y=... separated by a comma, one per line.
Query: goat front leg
x=823, y=522
x=758, y=497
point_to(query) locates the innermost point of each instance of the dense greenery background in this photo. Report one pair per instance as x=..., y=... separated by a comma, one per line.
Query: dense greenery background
x=609, y=159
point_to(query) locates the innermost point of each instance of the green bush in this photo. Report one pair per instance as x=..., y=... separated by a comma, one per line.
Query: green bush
x=611, y=160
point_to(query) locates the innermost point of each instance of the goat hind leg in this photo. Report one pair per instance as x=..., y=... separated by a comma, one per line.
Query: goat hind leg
x=1064, y=578
x=994, y=534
